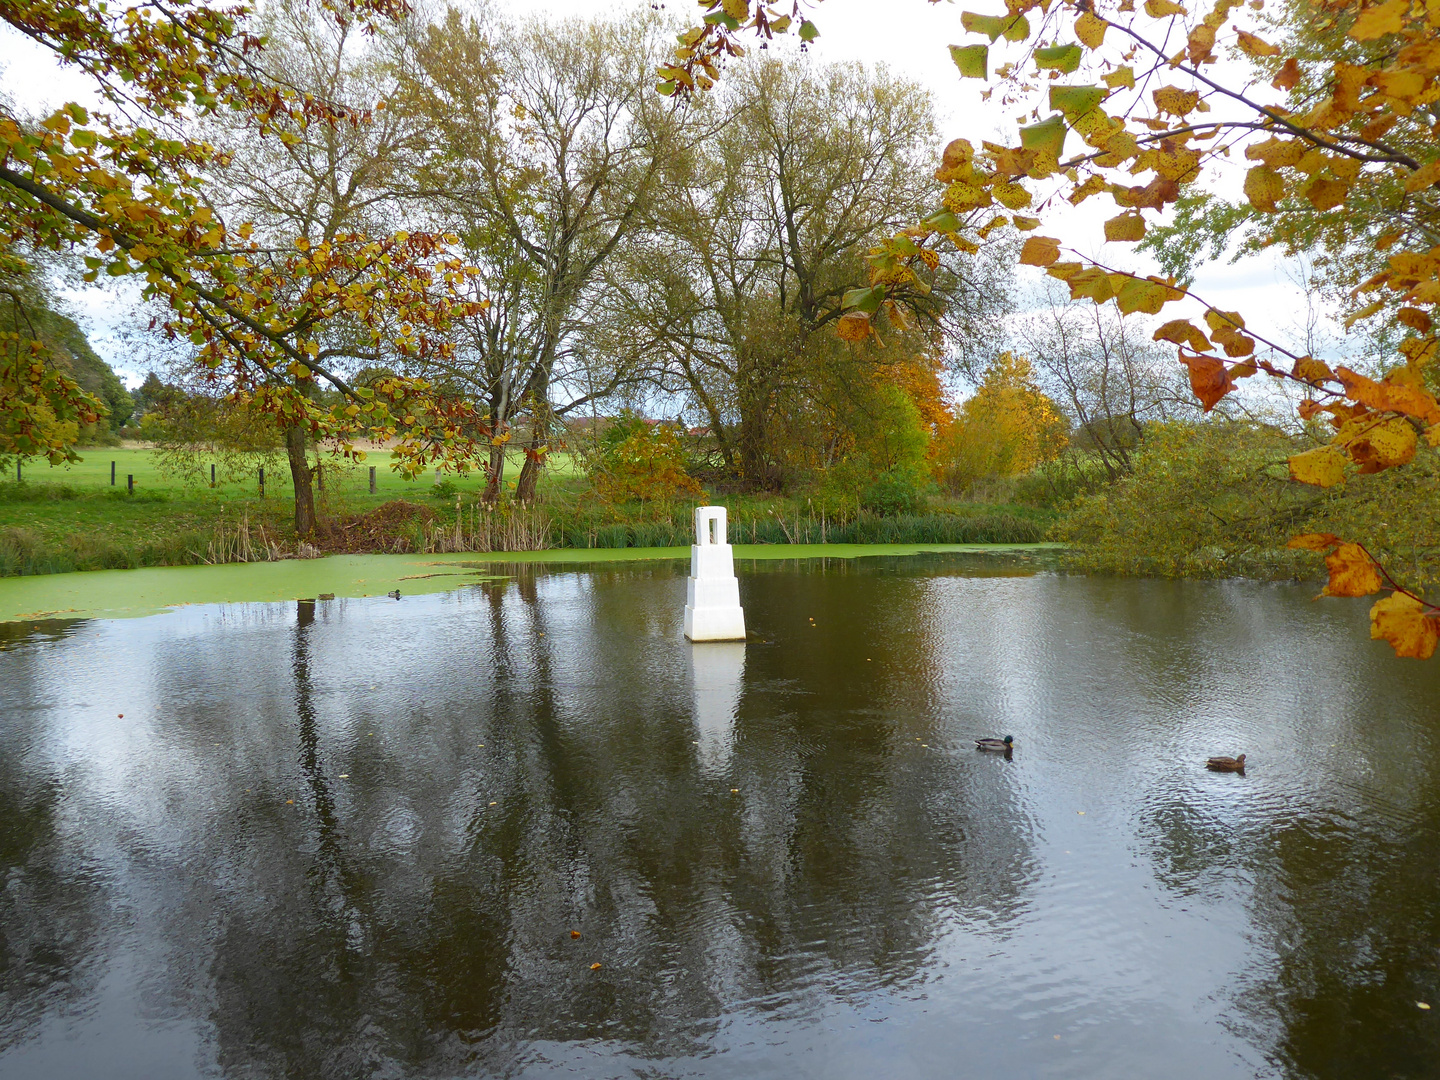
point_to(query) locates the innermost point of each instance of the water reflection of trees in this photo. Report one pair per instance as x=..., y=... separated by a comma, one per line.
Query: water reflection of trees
x=50, y=910
x=396, y=919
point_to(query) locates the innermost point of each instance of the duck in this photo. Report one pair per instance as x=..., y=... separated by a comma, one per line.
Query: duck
x=394, y=594
x=1226, y=764
x=1002, y=746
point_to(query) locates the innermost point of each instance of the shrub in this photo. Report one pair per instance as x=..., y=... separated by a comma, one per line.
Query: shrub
x=639, y=460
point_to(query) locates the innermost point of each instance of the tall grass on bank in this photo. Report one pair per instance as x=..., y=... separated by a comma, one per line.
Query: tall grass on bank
x=596, y=527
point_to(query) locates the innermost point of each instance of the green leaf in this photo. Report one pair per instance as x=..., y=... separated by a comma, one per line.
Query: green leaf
x=944, y=222
x=1075, y=101
x=808, y=31
x=867, y=301
x=1046, y=137
x=990, y=25
x=1010, y=27
x=972, y=60
x=1064, y=58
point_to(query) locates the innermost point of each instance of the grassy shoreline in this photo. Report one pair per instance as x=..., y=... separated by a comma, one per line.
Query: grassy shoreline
x=82, y=523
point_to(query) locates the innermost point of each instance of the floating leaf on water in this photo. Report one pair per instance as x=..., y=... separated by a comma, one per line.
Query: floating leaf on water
x=574, y=933
x=594, y=967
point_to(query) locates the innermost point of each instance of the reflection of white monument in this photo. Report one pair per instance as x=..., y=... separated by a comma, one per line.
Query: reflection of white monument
x=712, y=597
x=716, y=671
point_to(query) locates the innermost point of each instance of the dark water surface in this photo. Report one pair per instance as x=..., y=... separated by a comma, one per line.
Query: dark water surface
x=294, y=857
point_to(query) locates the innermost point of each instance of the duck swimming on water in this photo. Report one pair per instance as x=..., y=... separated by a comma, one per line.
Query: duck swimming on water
x=1002, y=746
x=1226, y=764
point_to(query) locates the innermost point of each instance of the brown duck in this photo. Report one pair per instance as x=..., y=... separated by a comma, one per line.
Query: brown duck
x=1226, y=764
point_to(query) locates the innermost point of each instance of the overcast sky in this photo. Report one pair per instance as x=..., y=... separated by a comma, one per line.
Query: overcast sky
x=910, y=38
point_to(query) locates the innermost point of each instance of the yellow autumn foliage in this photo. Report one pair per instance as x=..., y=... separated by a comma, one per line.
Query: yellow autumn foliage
x=1008, y=428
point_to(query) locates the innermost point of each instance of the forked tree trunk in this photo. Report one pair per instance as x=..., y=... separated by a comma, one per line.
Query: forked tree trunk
x=496, y=475
x=297, y=447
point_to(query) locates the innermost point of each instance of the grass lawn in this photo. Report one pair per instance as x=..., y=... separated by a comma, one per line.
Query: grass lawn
x=341, y=477
x=71, y=517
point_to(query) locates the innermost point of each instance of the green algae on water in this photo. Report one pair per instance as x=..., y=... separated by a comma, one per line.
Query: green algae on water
x=117, y=594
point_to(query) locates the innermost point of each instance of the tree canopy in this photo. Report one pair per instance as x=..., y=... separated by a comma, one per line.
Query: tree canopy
x=1344, y=118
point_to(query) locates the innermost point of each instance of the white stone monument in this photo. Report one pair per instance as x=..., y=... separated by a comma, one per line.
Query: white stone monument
x=712, y=596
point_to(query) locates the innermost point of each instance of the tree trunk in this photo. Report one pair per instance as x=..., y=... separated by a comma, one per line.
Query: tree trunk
x=534, y=462
x=297, y=447
x=495, y=475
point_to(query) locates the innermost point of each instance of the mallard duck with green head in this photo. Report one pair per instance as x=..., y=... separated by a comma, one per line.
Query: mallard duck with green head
x=999, y=746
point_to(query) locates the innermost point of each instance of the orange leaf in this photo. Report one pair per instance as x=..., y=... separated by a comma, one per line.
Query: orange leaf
x=1389, y=396
x=1352, y=572
x=854, y=326
x=1415, y=319
x=1288, y=77
x=1323, y=467
x=1314, y=542
x=1208, y=378
x=1039, y=251
x=1403, y=621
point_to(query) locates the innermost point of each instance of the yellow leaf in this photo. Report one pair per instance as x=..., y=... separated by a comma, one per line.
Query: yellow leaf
x=1183, y=332
x=1025, y=224
x=1039, y=251
x=1120, y=77
x=1142, y=295
x=1313, y=542
x=1201, y=44
x=1426, y=176
x=1158, y=9
x=1323, y=467
x=1378, y=21
x=1326, y=194
x=1012, y=196
x=1251, y=45
x=1264, y=188
x=1352, y=572
x=1312, y=370
x=1125, y=228
x=1378, y=444
x=1173, y=100
x=1406, y=624
x=853, y=327
x=1090, y=30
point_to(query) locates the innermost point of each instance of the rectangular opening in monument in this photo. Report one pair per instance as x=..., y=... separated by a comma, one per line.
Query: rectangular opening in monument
x=714, y=530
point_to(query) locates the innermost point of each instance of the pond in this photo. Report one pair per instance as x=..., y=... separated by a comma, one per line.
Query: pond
x=522, y=828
